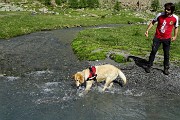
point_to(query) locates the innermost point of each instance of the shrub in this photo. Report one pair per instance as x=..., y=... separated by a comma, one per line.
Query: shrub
x=82, y=4
x=58, y=2
x=177, y=8
x=73, y=3
x=117, y=6
x=93, y=3
x=47, y=2
x=118, y=58
x=155, y=5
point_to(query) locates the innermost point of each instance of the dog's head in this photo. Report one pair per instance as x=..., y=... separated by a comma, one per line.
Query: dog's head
x=79, y=79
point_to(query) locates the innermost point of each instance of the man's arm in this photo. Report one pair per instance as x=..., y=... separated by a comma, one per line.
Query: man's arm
x=149, y=27
x=175, y=34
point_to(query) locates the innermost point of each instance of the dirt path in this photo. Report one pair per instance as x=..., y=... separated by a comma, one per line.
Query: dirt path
x=51, y=50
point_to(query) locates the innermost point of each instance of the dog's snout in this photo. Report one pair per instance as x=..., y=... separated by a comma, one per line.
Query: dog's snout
x=73, y=85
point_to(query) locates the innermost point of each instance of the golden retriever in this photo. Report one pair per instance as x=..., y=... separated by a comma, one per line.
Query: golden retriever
x=107, y=73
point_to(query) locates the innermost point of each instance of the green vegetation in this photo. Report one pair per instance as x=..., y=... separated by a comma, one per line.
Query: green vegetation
x=120, y=42
x=125, y=38
x=155, y=5
x=117, y=6
x=19, y=23
x=90, y=44
x=177, y=6
x=118, y=58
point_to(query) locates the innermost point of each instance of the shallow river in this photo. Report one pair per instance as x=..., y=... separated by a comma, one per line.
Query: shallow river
x=38, y=85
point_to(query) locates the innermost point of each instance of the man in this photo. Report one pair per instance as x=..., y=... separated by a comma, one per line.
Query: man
x=166, y=22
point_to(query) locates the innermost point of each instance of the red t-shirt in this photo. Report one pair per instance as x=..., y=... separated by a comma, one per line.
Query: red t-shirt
x=165, y=25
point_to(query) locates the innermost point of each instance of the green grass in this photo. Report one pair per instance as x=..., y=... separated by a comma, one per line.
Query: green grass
x=121, y=41
x=90, y=44
x=19, y=23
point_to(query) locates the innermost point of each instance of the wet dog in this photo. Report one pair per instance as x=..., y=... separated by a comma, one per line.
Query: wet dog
x=107, y=73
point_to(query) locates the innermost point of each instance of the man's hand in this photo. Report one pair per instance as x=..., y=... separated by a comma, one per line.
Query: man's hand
x=146, y=33
x=173, y=39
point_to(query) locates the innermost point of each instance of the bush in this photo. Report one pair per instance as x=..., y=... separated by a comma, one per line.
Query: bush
x=118, y=58
x=155, y=5
x=117, y=6
x=73, y=3
x=47, y=2
x=93, y=3
x=177, y=8
x=82, y=4
x=58, y=2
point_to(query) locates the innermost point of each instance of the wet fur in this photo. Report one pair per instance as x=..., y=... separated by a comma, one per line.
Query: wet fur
x=107, y=73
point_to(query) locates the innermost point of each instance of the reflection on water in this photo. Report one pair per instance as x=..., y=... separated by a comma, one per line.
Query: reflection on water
x=45, y=95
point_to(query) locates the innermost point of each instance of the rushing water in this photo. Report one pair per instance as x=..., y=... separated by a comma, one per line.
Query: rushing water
x=51, y=95
x=33, y=97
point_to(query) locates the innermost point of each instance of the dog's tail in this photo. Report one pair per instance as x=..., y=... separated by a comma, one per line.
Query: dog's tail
x=121, y=74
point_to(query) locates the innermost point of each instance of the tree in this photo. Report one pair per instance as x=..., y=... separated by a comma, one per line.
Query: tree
x=93, y=3
x=59, y=2
x=117, y=6
x=155, y=5
x=50, y=2
x=6, y=1
x=73, y=3
x=177, y=8
x=53, y=3
x=47, y=2
x=82, y=4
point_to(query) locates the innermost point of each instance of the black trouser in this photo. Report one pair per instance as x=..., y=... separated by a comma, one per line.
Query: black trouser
x=166, y=47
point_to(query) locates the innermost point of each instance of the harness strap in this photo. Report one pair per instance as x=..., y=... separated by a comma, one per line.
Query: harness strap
x=92, y=73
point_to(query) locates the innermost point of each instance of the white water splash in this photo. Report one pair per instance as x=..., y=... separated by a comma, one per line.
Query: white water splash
x=53, y=93
x=49, y=87
x=12, y=78
x=39, y=73
x=51, y=84
x=133, y=93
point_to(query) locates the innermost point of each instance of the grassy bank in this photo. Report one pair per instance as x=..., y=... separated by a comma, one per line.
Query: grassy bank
x=119, y=43
x=19, y=23
x=91, y=44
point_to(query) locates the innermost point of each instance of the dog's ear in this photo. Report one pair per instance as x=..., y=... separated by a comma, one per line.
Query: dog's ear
x=73, y=76
x=81, y=78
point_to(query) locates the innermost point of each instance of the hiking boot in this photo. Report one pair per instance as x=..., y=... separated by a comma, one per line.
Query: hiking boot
x=147, y=69
x=166, y=72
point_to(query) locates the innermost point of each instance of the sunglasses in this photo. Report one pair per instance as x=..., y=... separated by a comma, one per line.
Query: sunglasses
x=168, y=9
